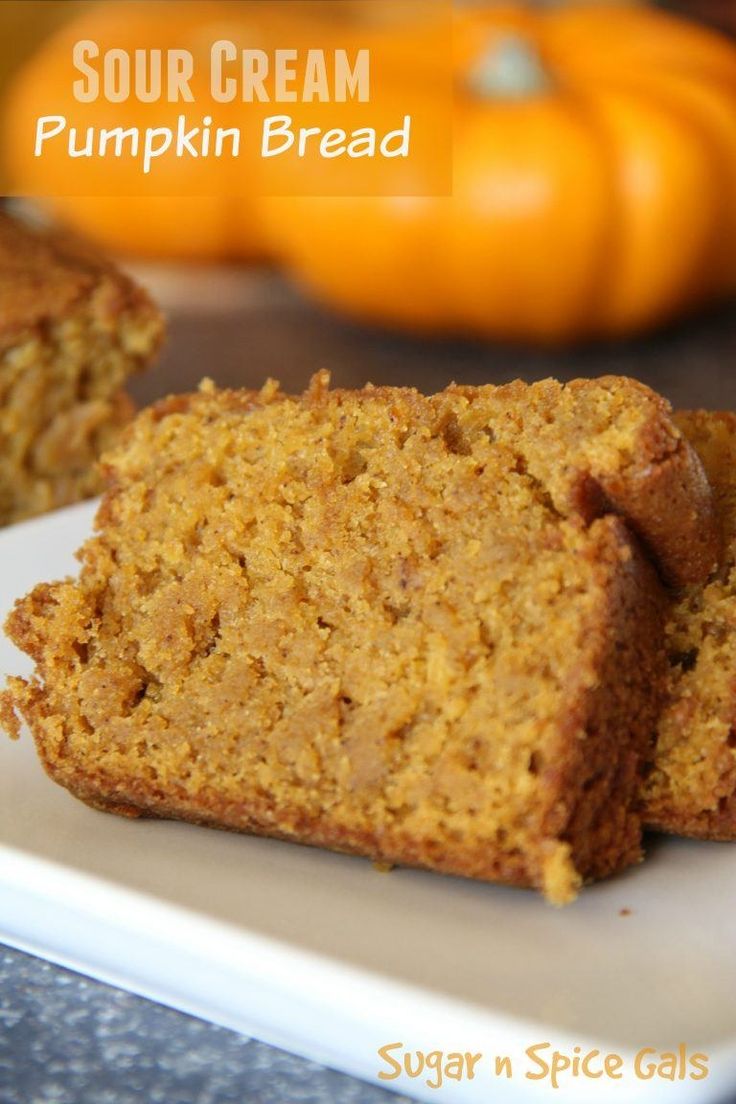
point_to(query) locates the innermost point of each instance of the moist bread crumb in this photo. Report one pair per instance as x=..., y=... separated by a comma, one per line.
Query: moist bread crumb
x=691, y=790
x=72, y=330
x=403, y=626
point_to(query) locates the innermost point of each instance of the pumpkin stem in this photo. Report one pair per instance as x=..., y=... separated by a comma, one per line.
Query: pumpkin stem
x=511, y=70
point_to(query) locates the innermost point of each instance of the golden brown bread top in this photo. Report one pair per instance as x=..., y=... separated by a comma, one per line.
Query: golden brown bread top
x=46, y=276
x=597, y=446
x=611, y=445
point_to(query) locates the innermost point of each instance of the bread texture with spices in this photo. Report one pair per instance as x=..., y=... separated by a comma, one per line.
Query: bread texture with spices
x=415, y=628
x=72, y=330
x=691, y=790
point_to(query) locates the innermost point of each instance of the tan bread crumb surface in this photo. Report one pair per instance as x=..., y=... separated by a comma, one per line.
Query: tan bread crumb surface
x=408, y=627
x=72, y=330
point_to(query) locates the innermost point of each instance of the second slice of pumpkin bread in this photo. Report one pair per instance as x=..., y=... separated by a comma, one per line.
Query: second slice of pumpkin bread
x=691, y=790
x=73, y=329
x=412, y=628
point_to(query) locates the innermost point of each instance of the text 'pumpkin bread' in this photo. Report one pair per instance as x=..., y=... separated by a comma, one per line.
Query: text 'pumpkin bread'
x=412, y=628
x=692, y=788
x=72, y=330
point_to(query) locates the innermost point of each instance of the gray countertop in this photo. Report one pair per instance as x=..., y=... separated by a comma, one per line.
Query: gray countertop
x=65, y=1039
x=68, y=1040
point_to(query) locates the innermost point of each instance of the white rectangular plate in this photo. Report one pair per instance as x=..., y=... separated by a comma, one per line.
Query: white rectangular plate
x=322, y=955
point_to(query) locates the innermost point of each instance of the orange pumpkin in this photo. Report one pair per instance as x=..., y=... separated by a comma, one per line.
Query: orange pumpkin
x=180, y=225
x=183, y=224
x=594, y=186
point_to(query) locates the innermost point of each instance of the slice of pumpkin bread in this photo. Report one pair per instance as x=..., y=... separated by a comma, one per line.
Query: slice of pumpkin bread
x=692, y=788
x=72, y=329
x=401, y=626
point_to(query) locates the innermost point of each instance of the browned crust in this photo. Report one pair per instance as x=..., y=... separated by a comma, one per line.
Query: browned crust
x=589, y=783
x=691, y=789
x=712, y=435
x=133, y=797
x=657, y=481
x=670, y=507
x=46, y=275
x=717, y=825
x=258, y=817
x=605, y=779
x=592, y=784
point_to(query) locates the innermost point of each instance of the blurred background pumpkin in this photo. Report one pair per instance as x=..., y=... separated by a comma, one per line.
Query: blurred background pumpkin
x=594, y=175
x=594, y=187
x=175, y=226
x=182, y=225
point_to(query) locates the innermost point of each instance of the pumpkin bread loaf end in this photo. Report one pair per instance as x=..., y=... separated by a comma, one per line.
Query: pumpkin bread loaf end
x=72, y=329
x=691, y=789
x=411, y=628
